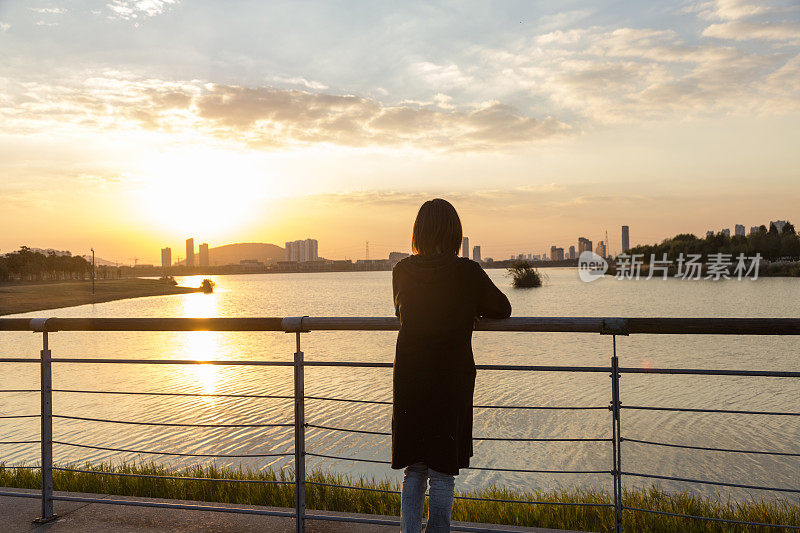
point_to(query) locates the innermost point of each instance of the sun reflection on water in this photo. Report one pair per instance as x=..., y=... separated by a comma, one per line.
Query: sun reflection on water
x=201, y=345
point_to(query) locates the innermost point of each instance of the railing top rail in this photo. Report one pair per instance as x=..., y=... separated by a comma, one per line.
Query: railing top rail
x=603, y=325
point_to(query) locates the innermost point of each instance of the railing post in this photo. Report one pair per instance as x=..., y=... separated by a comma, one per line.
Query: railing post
x=616, y=438
x=46, y=434
x=295, y=325
x=299, y=439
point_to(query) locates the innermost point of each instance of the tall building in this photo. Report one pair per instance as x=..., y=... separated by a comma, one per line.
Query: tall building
x=476, y=253
x=626, y=239
x=726, y=232
x=709, y=233
x=754, y=229
x=465, y=247
x=190, y=252
x=739, y=230
x=166, y=257
x=302, y=250
x=559, y=254
x=312, y=249
x=203, y=254
x=553, y=252
x=779, y=224
x=584, y=245
x=572, y=253
x=600, y=249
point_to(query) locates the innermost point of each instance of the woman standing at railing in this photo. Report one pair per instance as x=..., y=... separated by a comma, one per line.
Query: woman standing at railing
x=438, y=297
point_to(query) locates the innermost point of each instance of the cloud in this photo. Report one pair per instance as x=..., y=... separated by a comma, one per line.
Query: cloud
x=138, y=9
x=611, y=75
x=263, y=117
x=4, y=26
x=527, y=196
x=272, y=117
x=743, y=30
x=726, y=9
x=440, y=76
x=740, y=20
x=309, y=84
x=444, y=101
x=604, y=201
x=48, y=10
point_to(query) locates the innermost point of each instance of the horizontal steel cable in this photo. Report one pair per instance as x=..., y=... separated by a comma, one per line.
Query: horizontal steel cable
x=20, y=441
x=710, y=372
x=222, y=362
x=584, y=504
x=19, y=360
x=277, y=396
x=544, y=407
x=693, y=410
x=20, y=416
x=470, y=468
x=382, y=402
x=539, y=368
x=543, y=439
x=533, y=471
x=510, y=439
x=347, y=458
x=377, y=402
x=687, y=446
x=727, y=520
x=20, y=390
x=182, y=478
x=176, y=424
x=707, y=482
x=172, y=453
x=545, y=368
x=21, y=467
x=363, y=431
x=367, y=489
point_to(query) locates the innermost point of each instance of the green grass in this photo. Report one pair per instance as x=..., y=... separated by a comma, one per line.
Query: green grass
x=351, y=500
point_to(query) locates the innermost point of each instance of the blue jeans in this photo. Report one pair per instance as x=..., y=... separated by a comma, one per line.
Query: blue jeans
x=440, y=501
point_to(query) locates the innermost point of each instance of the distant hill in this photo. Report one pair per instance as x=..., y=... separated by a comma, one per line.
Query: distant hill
x=231, y=254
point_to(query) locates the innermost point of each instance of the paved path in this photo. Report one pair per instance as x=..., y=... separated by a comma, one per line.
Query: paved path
x=16, y=515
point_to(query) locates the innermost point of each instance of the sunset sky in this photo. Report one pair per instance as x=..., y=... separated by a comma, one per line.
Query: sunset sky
x=128, y=125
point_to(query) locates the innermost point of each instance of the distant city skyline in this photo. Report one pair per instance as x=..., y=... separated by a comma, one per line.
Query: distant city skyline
x=201, y=258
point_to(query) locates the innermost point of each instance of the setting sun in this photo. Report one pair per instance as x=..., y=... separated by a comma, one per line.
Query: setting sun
x=197, y=191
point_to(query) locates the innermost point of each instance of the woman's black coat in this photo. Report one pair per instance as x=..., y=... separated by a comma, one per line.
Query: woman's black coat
x=437, y=297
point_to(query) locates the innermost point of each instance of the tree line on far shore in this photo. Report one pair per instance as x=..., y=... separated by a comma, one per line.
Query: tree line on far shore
x=27, y=265
x=773, y=245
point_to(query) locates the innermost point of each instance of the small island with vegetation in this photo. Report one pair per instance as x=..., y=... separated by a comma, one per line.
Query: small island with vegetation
x=523, y=275
x=33, y=281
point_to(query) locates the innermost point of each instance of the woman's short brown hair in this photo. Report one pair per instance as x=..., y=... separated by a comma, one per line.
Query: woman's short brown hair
x=437, y=228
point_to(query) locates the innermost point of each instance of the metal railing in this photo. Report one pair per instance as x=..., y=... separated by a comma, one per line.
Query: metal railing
x=299, y=325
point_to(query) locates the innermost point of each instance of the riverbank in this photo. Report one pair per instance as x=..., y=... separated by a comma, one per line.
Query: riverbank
x=370, y=496
x=23, y=297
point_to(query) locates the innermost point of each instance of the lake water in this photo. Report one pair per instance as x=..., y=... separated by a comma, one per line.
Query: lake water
x=369, y=294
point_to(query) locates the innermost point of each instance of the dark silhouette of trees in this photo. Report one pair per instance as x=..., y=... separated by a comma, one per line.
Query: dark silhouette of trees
x=770, y=243
x=27, y=265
